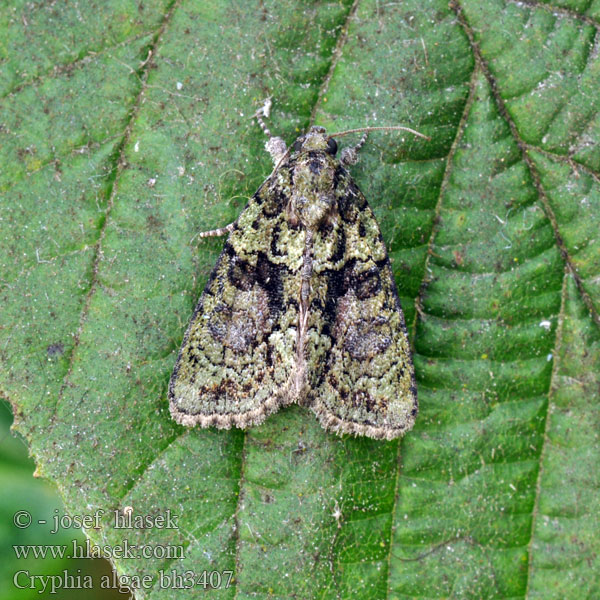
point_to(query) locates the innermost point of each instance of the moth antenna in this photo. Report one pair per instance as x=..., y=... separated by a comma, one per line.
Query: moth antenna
x=349, y=156
x=264, y=110
x=275, y=145
x=368, y=129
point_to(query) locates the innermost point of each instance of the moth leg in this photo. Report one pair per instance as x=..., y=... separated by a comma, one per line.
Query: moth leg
x=349, y=156
x=275, y=145
x=218, y=232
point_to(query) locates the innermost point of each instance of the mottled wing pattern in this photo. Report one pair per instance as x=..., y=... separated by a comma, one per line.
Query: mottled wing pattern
x=238, y=354
x=363, y=378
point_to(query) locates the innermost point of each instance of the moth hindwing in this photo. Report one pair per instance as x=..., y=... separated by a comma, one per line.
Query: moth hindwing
x=301, y=307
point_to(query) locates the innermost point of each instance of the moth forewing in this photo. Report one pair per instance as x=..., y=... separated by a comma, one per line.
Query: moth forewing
x=234, y=364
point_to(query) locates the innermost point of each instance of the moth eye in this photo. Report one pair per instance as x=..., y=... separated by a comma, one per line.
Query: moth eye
x=298, y=145
x=331, y=147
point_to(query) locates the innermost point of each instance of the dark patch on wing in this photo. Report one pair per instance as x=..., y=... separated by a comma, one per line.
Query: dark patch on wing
x=274, y=245
x=351, y=203
x=270, y=278
x=367, y=283
x=340, y=249
x=339, y=175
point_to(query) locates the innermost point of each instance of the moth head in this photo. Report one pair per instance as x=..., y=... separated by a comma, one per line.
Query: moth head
x=315, y=139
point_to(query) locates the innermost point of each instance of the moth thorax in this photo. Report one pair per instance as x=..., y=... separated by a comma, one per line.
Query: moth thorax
x=312, y=211
x=313, y=199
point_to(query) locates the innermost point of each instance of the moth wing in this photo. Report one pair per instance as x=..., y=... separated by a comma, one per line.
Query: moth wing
x=367, y=383
x=237, y=357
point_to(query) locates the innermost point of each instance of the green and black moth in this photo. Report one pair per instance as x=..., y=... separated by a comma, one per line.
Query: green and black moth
x=301, y=307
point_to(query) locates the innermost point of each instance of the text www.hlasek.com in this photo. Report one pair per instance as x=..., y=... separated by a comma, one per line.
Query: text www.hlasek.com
x=90, y=550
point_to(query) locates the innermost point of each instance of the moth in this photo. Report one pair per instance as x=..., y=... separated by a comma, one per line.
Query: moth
x=301, y=307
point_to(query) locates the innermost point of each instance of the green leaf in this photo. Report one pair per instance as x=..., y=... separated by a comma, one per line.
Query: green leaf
x=126, y=128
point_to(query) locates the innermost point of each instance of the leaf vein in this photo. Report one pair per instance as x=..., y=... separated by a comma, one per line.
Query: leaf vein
x=337, y=53
x=558, y=10
x=59, y=70
x=538, y=484
x=523, y=147
x=119, y=165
